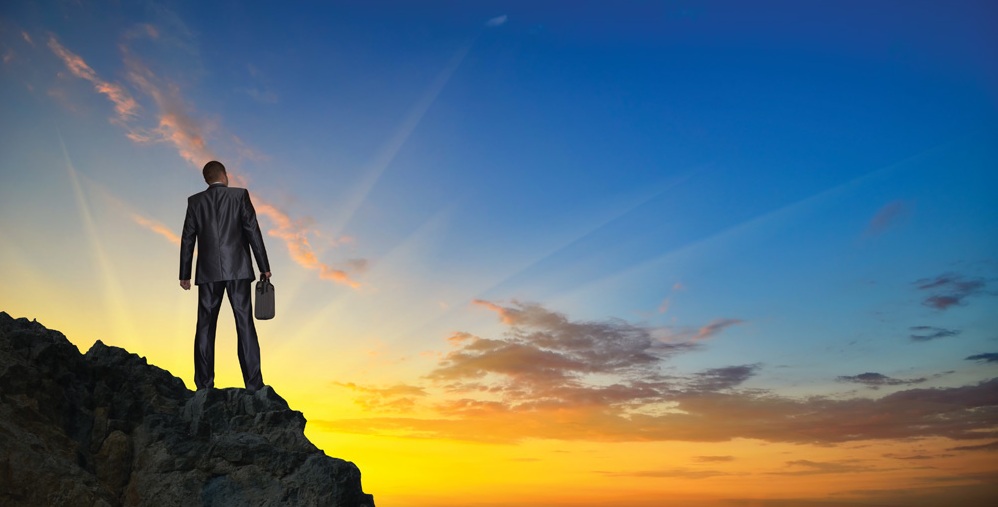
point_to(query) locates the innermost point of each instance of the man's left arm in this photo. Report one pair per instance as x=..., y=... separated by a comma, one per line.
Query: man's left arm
x=251, y=228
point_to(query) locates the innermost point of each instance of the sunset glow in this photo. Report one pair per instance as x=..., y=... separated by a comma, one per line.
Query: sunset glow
x=570, y=254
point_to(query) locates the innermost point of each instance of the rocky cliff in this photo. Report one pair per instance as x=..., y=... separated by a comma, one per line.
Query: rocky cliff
x=108, y=429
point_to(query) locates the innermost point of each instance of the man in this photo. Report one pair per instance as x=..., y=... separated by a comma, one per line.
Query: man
x=223, y=223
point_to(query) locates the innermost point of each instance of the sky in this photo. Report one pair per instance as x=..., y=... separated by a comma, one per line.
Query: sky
x=545, y=253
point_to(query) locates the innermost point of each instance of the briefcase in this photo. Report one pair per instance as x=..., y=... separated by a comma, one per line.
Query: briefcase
x=264, y=309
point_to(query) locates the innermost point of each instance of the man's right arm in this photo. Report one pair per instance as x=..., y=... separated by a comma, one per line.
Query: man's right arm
x=187, y=238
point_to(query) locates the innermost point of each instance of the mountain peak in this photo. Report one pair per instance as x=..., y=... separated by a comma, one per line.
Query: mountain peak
x=108, y=429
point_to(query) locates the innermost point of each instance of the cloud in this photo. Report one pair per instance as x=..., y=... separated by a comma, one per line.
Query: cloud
x=958, y=413
x=717, y=379
x=157, y=227
x=987, y=357
x=397, y=398
x=877, y=380
x=551, y=377
x=991, y=446
x=125, y=107
x=176, y=125
x=949, y=290
x=713, y=459
x=664, y=306
x=678, y=473
x=916, y=457
x=715, y=327
x=295, y=235
x=808, y=467
x=497, y=21
x=556, y=346
x=888, y=216
x=929, y=333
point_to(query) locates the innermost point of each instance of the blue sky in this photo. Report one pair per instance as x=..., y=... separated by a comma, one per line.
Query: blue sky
x=782, y=196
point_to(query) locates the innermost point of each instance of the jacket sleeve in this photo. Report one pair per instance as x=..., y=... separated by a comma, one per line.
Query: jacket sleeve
x=187, y=238
x=251, y=229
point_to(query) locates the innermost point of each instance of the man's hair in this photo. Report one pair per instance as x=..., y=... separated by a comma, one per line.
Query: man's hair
x=213, y=171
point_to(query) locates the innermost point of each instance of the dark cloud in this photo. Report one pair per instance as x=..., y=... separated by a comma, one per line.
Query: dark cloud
x=713, y=459
x=991, y=446
x=949, y=290
x=987, y=357
x=929, y=333
x=728, y=377
x=680, y=473
x=875, y=380
x=808, y=467
x=547, y=359
x=916, y=457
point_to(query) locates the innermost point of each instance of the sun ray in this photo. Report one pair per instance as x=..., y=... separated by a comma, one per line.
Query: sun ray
x=391, y=148
x=123, y=329
x=769, y=218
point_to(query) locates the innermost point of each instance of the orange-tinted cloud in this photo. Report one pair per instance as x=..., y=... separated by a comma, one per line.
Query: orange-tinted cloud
x=125, y=106
x=295, y=235
x=174, y=122
x=396, y=398
x=177, y=126
x=554, y=378
x=157, y=227
x=715, y=327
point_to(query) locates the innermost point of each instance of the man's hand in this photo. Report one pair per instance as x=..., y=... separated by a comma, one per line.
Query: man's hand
x=185, y=284
x=266, y=275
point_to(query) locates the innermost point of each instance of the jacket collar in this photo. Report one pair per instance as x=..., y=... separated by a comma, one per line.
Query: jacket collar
x=219, y=184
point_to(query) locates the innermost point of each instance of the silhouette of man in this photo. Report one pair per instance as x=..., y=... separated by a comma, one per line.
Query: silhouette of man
x=223, y=223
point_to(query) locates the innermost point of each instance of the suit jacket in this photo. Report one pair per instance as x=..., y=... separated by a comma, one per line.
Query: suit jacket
x=223, y=222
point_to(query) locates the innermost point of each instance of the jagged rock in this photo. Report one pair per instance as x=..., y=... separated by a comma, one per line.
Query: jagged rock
x=109, y=429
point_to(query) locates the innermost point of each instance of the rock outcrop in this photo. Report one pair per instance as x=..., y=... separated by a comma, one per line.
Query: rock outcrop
x=109, y=429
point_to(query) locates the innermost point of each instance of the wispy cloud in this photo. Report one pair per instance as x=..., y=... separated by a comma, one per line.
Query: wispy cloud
x=497, y=21
x=295, y=235
x=987, y=357
x=713, y=459
x=991, y=446
x=808, y=467
x=125, y=106
x=929, y=333
x=715, y=327
x=678, y=473
x=888, y=216
x=176, y=124
x=949, y=289
x=157, y=227
x=397, y=398
x=875, y=380
x=716, y=379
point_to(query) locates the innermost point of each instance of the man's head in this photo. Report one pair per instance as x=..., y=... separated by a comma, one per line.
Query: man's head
x=214, y=172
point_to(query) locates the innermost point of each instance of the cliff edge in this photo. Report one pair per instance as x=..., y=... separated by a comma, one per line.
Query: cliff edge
x=108, y=429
